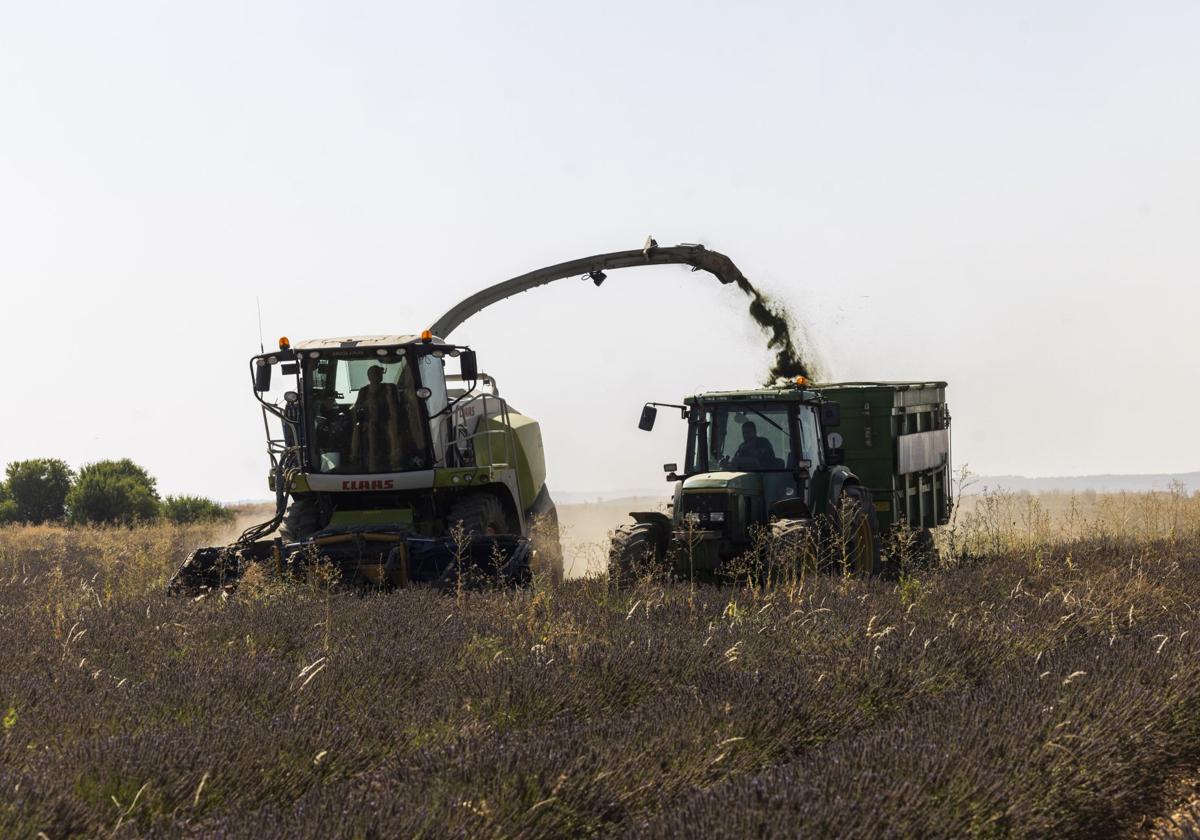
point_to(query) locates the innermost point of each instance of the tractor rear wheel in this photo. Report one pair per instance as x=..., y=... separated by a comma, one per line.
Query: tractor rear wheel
x=856, y=543
x=481, y=514
x=301, y=520
x=633, y=549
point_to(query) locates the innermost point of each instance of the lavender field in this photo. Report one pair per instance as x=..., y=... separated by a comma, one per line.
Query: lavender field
x=1043, y=680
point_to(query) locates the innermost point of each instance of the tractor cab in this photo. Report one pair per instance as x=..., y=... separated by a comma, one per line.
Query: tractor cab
x=753, y=455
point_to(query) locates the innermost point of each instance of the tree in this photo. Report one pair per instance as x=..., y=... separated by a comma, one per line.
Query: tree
x=8, y=508
x=114, y=493
x=38, y=488
x=184, y=509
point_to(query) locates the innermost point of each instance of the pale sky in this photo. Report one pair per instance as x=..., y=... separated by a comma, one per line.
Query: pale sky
x=1002, y=195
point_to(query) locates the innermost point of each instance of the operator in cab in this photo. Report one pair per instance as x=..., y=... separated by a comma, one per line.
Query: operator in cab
x=755, y=453
x=378, y=442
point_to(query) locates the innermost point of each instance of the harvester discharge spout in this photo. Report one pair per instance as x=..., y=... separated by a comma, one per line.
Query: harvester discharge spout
x=594, y=268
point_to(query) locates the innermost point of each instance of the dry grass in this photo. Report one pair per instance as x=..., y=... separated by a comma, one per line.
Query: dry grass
x=1043, y=681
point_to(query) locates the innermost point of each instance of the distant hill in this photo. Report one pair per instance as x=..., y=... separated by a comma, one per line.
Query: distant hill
x=1079, y=483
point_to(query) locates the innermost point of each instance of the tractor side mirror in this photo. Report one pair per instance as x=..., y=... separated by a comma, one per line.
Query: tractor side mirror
x=835, y=452
x=262, y=376
x=831, y=414
x=649, y=415
x=468, y=366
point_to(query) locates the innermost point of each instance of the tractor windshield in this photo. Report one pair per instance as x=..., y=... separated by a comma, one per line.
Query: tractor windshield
x=745, y=438
x=365, y=414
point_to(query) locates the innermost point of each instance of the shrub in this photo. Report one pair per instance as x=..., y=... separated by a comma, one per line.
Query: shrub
x=113, y=492
x=183, y=510
x=37, y=489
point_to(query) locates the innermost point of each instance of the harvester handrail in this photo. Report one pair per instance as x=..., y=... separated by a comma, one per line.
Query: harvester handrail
x=697, y=256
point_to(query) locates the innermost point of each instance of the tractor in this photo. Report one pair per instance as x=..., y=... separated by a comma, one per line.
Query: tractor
x=769, y=468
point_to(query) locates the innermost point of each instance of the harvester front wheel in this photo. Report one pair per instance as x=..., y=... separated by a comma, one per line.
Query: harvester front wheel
x=481, y=514
x=633, y=549
x=301, y=520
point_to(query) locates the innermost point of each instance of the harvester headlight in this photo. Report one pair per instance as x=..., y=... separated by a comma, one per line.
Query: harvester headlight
x=382, y=351
x=691, y=517
x=717, y=516
x=291, y=397
x=272, y=360
x=424, y=393
x=313, y=354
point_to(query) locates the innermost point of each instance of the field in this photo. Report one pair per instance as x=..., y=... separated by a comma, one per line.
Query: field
x=1042, y=680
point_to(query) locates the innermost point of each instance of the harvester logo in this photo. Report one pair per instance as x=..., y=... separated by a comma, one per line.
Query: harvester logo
x=375, y=484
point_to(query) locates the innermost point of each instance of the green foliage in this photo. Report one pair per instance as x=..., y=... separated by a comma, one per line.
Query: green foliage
x=113, y=492
x=37, y=490
x=8, y=508
x=185, y=509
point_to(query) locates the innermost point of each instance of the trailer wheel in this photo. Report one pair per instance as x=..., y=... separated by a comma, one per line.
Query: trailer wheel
x=633, y=548
x=301, y=520
x=857, y=543
x=480, y=514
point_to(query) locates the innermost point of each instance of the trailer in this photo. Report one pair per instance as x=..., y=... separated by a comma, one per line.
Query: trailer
x=895, y=436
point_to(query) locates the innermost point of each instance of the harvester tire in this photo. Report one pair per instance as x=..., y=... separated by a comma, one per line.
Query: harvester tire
x=544, y=534
x=860, y=552
x=633, y=549
x=481, y=514
x=301, y=520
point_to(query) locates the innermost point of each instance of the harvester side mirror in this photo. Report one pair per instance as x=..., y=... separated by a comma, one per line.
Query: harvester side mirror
x=649, y=415
x=468, y=366
x=831, y=414
x=262, y=376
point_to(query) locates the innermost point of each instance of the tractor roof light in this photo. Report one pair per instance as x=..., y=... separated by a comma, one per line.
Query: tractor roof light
x=284, y=344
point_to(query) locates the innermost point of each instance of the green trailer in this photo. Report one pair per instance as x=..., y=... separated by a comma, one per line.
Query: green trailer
x=895, y=436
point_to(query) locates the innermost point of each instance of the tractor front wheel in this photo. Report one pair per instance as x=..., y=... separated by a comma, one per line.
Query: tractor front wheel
x=633, y=549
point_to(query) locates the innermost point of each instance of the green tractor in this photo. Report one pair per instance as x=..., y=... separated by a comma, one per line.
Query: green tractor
x=768, y=468
x=396, y=470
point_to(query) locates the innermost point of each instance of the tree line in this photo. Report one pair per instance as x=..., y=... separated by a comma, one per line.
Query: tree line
x=114, y=492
